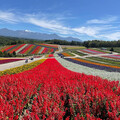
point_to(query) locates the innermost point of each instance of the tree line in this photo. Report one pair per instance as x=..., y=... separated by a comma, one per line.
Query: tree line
x=14, y=41
x=90, y=43
x=100, y=43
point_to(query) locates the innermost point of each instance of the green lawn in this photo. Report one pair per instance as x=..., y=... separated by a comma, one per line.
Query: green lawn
x=73, y=47
x=78, y=53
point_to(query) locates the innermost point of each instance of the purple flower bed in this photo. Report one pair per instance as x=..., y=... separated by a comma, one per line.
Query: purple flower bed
x=9, y=60
x=94, y=66
x=110, y=69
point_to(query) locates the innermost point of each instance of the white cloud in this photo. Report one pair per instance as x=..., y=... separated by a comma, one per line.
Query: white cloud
x=102, y=21
x=56, y=25
x=112, y=36
x=8, y=17
x=86, y=30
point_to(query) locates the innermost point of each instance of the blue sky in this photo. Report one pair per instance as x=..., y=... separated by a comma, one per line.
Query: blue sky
x=84, y=19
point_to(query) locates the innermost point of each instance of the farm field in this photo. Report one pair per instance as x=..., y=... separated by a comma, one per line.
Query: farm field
x=30, y=49
x=58, y=93
x=72, y=47
x=68, y=87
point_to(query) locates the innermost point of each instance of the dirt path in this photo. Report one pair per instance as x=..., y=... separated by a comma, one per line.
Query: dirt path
x=17, y=63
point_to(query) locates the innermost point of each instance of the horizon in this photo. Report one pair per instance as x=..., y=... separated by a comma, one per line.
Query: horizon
x=86, y=20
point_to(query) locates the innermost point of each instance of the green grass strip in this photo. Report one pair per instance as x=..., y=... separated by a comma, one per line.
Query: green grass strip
x=79, y=53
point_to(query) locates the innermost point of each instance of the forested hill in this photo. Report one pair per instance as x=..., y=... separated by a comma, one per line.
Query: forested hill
x=14, y=40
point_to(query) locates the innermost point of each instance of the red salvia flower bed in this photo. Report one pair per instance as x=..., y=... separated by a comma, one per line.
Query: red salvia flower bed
x=56, y=93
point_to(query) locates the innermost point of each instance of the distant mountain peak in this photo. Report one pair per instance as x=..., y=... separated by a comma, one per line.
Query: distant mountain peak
x=33, y=35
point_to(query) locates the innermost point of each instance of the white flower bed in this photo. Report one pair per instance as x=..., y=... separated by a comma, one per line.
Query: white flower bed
x=87, y=70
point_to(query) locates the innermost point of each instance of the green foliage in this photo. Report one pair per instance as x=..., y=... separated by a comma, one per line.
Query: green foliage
x=63, y=42
x=13, y=41
x=111, y=49
x=5, y=54
x=101, y=43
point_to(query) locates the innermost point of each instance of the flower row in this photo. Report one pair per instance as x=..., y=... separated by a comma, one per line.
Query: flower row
x=28, y=49
x=112, y=56
x=50, y=91
x=87, y=70
x=91, y=64
x=90, y=51
x=3, y=61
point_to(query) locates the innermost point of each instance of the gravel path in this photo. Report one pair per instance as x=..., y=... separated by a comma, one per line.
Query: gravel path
x=17, y=63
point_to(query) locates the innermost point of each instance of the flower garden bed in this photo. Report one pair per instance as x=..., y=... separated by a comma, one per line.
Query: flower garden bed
x=50, y=91
x=3, y=61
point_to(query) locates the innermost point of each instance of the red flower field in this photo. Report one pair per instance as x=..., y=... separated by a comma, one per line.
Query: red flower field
x=52, y=92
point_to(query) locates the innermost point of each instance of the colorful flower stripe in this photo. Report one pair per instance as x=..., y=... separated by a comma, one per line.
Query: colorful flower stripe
x=44, y=51
x=96, y=51
x=49, y=49
x=113, y=56
x=27, y=48
x=34, y=51
x=52, y=92
x=12, y=49
x=95, y=65
x=37, y=51
x=41, y=50
x=92, y=51
x=3, y=48
x=3, y=58
x=22, y=48
x=30, y=49
x=112, y=76
x=52, y=50
x=55, y=46
x=51, y=55
x=8, y=48
x=18, y=47
x=22, y=68
x=9, y=60
x=66, y=54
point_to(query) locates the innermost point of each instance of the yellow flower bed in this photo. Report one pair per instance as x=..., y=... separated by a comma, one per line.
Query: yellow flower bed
x=22, y=68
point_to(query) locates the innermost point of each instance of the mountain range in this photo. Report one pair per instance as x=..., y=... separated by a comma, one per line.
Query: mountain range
x=33, y=35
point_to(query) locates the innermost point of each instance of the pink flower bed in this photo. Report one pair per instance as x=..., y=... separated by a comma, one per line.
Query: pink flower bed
x=113, y=56
x=90, y=51
x=9, y=60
